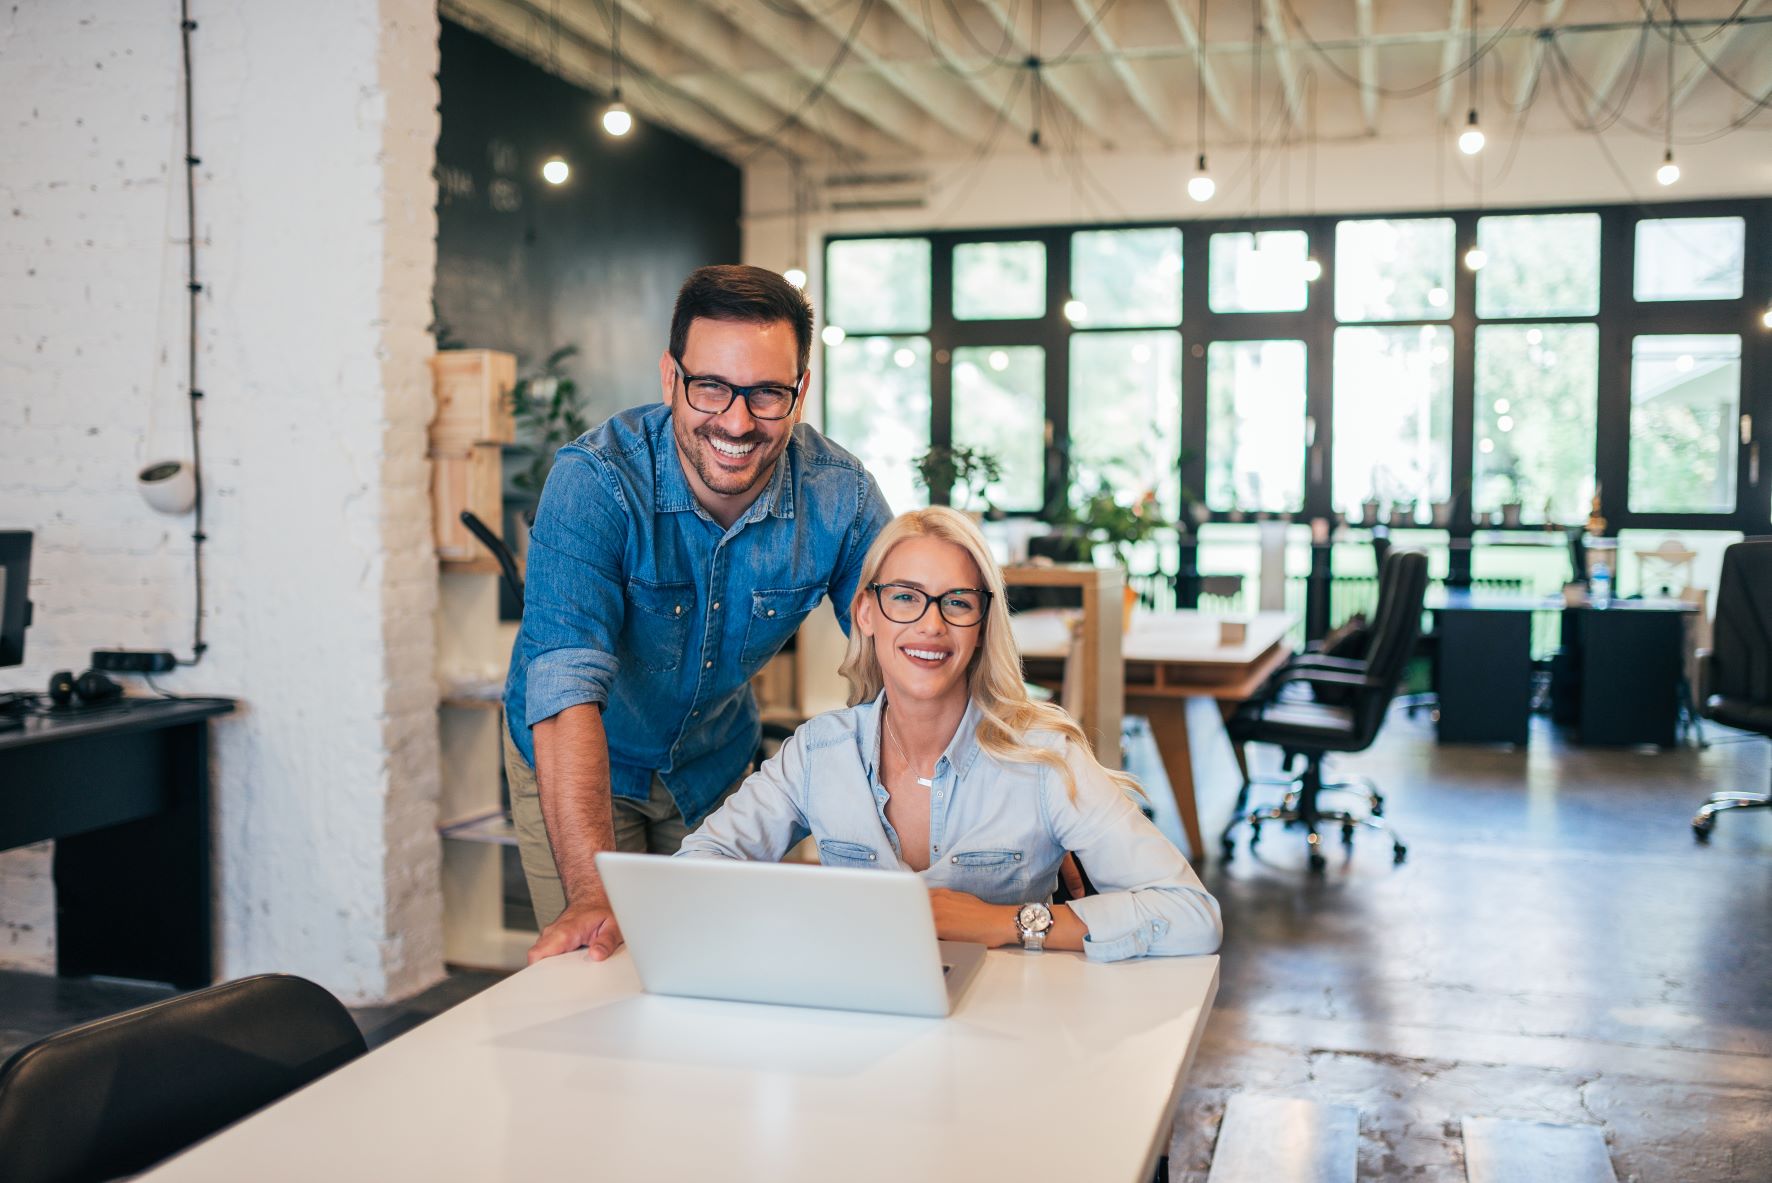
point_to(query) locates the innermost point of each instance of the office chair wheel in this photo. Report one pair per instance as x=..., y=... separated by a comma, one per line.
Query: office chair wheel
x=1377, y=805
x=1228, y=846
x=1701, y=828
x=1347, y=835
x=1317, y=861
x=1399, y=852
x=1254, y=835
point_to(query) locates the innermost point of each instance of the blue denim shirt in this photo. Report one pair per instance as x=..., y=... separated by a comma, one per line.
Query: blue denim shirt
x=997, y=830
x=637, y=599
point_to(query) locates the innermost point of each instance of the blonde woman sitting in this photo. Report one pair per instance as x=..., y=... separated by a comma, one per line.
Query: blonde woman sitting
x=944, y=766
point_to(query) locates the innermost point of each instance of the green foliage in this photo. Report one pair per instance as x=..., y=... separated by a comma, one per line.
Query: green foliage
x=1102, y=517
x=941, y=469
x=550, y=414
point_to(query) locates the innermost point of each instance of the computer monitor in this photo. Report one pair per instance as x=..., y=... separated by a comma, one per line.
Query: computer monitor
x=15, y=581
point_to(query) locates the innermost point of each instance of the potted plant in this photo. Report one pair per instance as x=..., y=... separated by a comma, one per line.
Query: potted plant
x=970, y=470
x=550, y=414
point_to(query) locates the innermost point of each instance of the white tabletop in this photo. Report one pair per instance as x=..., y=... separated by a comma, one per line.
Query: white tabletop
x=1053, y=1068
x=1182, y=636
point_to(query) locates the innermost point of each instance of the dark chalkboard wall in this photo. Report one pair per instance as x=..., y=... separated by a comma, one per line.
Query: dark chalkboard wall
x=526, y=266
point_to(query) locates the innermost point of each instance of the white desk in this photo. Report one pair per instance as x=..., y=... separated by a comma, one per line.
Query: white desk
x=1053, y=1068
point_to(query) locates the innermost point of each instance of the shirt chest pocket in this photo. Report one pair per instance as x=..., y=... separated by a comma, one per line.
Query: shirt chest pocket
x=656, y=631
x=995, y=876
x=833, y=853
x=775, y=615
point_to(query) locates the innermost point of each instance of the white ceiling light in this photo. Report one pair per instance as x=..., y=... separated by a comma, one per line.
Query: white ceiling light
x=795, y=276
x=1475, y=258
x=554, y=170
x=1201, y=186
x=1076, y=311
x=1313, y=270
x=616, y=120
x=833, y=335
x=1471, y=139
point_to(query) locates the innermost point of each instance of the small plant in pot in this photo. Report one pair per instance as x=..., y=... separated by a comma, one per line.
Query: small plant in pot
x=550, y=414
x=962, y=473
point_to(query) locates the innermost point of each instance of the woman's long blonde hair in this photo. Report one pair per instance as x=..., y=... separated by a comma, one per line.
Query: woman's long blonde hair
x=994, y=680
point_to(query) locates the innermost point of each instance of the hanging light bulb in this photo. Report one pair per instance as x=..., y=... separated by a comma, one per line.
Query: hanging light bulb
x=1766, y=318
x=1669, y=172
x=1201, y=186
x=795, y=276
x=1076, y=311
x=616, y=120
x=833, y=335
x=1313, y=271
x=1475, y=258
x=555, y=170
x=1471, y=139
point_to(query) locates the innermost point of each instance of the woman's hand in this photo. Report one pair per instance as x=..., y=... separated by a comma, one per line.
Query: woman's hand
x=962, y=917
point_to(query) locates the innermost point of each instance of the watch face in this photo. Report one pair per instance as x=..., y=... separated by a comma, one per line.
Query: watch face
x=1034, y=918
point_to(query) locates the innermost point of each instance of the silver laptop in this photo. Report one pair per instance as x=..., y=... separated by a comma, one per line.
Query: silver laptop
x=790, y=934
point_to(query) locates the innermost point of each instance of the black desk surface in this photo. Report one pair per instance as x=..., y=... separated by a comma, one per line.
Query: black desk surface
x=1468, y=600
x=112, y=718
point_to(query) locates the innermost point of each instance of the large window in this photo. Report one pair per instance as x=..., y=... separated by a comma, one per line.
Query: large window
x=1468, y=371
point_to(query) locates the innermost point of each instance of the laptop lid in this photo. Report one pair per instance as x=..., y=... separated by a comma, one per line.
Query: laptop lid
x=789, y=934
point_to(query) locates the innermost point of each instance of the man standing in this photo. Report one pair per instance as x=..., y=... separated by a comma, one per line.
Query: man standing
x=675, y=550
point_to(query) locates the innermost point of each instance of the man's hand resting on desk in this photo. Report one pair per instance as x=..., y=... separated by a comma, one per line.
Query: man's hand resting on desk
x=590, y=924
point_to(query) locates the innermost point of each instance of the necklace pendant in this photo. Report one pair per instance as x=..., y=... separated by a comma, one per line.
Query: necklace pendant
x=925, y=782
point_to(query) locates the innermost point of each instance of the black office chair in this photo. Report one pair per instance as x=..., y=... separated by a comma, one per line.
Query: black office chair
x=115, y=1096
x=1738, y=671
x=1310, y=730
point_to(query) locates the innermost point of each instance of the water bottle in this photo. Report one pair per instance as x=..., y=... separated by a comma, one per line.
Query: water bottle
x=1599, y=583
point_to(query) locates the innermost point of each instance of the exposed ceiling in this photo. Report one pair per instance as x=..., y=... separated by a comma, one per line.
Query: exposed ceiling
x=874, y=81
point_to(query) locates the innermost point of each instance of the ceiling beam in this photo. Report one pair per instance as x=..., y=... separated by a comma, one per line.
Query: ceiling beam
x=1451, y=48
x=1275, y=23
x=1190, y=40
x=992, y=86
x=1714, y=50
x=1094, y=19
x=1527, y=83
x=1084, y=109
x=1363, y=27
x=951, y=108
x=808, y=54
x=1623, y=54
x=512, y=24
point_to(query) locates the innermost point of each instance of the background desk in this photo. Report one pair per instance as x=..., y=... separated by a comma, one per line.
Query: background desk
x=1171, y=657
x=124, y=791
x=1052, y=1068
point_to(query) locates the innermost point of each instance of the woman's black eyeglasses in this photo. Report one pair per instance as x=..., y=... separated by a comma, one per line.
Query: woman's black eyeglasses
x=711, y=396
x=962, y=607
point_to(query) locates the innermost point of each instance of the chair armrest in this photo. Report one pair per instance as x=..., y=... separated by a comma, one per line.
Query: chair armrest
x=1322, y=677
x=1319, y=661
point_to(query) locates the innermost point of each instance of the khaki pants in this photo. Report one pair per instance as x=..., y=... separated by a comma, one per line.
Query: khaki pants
x=652, y=826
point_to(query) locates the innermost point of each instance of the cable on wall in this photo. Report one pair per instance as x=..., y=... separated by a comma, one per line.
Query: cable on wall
x=194, y=289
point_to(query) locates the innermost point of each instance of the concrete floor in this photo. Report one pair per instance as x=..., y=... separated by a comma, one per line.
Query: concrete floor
x=1555, y=949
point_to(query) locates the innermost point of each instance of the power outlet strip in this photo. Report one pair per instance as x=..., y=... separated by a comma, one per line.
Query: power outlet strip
x=133, y=661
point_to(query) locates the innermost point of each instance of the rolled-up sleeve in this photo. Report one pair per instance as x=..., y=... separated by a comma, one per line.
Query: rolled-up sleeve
x=762, y=820
x=1149, y=901
x=572, y=597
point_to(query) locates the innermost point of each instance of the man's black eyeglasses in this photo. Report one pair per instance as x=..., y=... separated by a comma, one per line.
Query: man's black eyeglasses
x=711, y=396
x=962, y=607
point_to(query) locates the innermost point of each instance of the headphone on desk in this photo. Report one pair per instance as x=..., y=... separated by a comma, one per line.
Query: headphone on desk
x=91, y=688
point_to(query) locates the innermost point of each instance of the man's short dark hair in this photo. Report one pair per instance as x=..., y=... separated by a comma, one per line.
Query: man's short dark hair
x=743, y=293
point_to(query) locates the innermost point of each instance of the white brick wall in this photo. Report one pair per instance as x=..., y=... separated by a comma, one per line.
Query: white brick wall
x=316, y=123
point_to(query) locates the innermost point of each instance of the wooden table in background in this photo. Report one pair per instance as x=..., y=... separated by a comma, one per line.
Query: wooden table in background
x=1171, y=657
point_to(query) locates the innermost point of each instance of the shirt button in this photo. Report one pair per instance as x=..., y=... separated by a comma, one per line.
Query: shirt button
x=771, y=612
x=695, y=714
x=872, y=858
x=708, y=665
x=679, y=610
x=716, y=605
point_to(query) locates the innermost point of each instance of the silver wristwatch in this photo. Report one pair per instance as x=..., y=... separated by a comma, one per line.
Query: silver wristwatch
x=1034, y=921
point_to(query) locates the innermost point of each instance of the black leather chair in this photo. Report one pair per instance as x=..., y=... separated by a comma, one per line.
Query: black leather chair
x=1737, y=674
x=1309, y=730
x=115, y=1096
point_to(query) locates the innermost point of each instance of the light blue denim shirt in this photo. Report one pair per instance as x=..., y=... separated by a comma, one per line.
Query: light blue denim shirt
x=997, y=830
x=637, y=599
